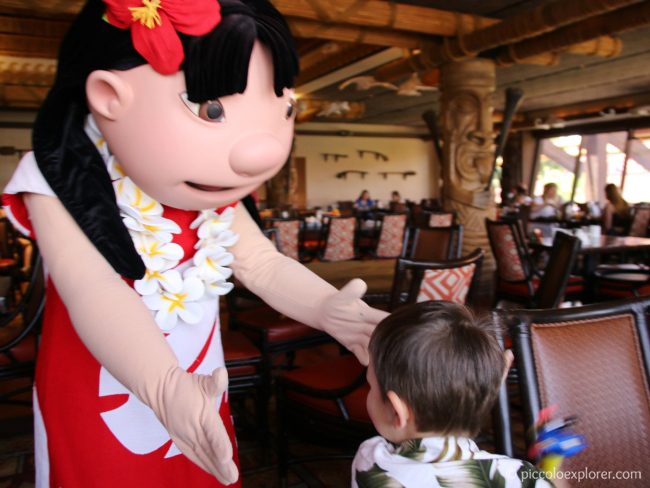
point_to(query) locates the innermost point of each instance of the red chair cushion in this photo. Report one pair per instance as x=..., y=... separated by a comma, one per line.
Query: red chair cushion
x=7, y=262
x=574, y=285
x=516, y=288
x=335, y=375
x=277, y=327
x=23, y=352
x=237, y=347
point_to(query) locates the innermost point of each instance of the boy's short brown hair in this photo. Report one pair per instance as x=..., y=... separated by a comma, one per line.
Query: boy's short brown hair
x=442, y=362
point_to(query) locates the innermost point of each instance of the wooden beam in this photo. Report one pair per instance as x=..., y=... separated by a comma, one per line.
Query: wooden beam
x=567, y=112
x=601, y=25
x=46, y=8
x=360, y=35
x=27, y=71
x=28, y=46
x=541, y=20
x=383, y=14
x=316, y=64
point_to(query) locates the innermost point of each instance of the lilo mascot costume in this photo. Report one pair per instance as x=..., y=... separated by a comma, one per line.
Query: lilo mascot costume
x=163, y=116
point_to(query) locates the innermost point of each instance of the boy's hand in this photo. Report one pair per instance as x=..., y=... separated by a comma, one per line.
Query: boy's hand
x=349, y=319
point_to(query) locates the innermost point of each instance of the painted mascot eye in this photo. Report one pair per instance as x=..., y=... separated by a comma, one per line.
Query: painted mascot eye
x=210, y=111
x=291, y=108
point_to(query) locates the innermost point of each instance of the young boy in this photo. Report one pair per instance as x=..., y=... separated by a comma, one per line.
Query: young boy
x=434, y=374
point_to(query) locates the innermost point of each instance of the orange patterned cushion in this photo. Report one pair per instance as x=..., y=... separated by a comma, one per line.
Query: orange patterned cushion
x=640, y=223
x=441, y=220
x=509, y=264
x=288, y=235
x=391, y=239
x=451, y=284
x=340, y=242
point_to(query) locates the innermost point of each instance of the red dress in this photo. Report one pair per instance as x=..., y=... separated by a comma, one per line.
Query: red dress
x=90, y=430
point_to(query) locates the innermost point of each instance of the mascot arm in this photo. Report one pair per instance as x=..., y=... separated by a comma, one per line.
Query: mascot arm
x=293, y=290
x=91, y=291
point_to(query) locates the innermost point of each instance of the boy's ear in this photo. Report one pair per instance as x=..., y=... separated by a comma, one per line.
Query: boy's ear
x=509, y=358
x=402, y=411
x=108, y=94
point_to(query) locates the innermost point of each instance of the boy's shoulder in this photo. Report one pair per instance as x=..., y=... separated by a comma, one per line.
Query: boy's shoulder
x=414, y=464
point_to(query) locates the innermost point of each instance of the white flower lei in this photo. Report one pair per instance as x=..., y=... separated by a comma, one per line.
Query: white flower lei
x=168, y=294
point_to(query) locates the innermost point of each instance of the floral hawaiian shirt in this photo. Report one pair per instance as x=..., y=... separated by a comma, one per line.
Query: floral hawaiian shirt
x=439, y=462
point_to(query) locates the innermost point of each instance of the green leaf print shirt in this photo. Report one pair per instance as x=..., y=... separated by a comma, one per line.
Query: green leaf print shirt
x=439, y=462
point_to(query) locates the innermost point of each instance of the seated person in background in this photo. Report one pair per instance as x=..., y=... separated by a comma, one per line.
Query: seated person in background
x=548, y=205
x=396, y=204
x=521, y=196
x=364, y=202
x=616, y=214
x=434, y=374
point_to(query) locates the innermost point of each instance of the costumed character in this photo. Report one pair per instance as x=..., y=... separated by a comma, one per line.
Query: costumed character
x=163, y=115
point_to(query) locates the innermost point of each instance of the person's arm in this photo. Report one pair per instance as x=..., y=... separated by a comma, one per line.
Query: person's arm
x=292, y=289
x=120, y=332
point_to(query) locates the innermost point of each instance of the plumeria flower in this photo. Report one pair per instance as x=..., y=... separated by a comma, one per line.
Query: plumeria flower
x=218, y=288
x=116, y=172
x=210, y=263
x=169, y=281
x=158, y=228
x=214, y=288
x=157, y=256
x=170, y=307
x=134, y=202
x=211, y=224
x=225, y=239
x=154, y=25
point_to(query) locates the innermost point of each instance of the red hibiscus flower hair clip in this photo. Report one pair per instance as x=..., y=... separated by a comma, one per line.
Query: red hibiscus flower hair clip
x=155, y=25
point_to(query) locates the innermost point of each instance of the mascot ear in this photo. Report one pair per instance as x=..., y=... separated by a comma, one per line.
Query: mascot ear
x=109, y=95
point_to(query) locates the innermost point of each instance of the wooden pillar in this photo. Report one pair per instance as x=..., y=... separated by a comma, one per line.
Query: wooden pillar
x=466, y=110
x=278, y=187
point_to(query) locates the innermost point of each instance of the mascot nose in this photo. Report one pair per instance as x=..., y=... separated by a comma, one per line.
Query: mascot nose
x=256, y=154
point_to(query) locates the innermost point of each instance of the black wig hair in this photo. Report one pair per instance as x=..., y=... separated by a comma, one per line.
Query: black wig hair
x=215, y=65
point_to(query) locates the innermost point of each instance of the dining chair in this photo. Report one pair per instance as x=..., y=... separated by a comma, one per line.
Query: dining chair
x=452, y=280
x=243, y=362
x=640, y=221
x=10, y=256
x=288, y=236
x=438, y=219
x=517, y=277
x=436, y=243
x=19, y=338
x=19, y=329
x=338, y=242
x=591, y=362
x=557, y=273
x=392, y=235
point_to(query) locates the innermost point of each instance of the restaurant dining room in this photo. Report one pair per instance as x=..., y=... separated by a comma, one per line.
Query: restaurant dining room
x=365, y=243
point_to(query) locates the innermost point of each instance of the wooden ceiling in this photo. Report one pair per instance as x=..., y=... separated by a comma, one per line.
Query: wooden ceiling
x=571, y=58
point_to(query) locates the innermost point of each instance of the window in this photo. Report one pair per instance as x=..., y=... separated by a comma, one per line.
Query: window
x=581, y=165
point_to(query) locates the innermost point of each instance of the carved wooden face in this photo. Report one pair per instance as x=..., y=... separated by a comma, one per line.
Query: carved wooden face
x=469, y=124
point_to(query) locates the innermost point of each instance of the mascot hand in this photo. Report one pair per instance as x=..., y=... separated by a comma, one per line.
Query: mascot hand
x=350, y=320
x=189, y=412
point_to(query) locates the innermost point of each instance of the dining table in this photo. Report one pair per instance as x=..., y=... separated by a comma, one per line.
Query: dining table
x=594, y=248
x=377, y=273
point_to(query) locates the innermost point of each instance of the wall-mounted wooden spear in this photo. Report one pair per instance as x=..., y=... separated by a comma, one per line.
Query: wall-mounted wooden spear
x=431, y=119
x=514, y=95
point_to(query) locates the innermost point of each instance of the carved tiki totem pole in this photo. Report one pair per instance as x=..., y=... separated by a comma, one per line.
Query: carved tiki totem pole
x=468, y=152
